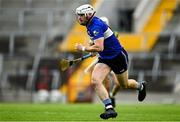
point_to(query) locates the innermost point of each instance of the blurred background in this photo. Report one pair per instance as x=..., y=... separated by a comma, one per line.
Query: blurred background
x=36, y=34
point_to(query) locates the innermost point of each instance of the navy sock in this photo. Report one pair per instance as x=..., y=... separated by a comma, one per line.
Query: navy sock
x=108, y=104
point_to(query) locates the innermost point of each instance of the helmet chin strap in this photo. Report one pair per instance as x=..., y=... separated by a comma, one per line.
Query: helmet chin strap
x=89, y=18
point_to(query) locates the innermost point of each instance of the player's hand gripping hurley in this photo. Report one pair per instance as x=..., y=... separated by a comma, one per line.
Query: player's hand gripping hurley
x=65, y=63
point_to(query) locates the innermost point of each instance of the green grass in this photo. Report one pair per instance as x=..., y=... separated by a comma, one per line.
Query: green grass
x=87, y=112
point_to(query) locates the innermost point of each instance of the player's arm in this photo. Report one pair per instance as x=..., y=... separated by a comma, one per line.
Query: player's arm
x=97, y=47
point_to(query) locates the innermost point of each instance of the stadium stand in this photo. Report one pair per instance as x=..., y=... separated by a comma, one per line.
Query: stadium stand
x=27, y=28
x=146, y=64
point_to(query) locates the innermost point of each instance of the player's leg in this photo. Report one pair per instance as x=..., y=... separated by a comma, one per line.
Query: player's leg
x=99, y=73
x=132, y=84
x=115, y=87
x=116, y=84
x=121, y=70
x=107, y=83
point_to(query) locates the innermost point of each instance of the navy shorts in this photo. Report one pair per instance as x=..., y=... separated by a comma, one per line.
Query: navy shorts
x=118, y=64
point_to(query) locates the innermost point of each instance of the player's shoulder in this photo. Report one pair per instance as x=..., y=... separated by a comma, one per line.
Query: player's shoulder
x=97, y=23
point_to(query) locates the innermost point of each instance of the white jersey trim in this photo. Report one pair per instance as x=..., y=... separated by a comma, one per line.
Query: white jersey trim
x=108, y=33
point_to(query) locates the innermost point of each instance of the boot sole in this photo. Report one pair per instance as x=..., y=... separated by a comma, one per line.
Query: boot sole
x=107, y=116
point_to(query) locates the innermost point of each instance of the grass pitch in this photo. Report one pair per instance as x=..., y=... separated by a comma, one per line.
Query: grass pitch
x=87, y=112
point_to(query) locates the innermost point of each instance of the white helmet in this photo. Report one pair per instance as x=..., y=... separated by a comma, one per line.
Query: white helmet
x=105, y=20
x=86, y=10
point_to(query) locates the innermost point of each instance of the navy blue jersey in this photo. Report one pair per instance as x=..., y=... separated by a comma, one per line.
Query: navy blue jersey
x=97, y=29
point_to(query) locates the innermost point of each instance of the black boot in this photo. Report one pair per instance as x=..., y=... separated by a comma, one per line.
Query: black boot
x=109, y=113
x=142, y=93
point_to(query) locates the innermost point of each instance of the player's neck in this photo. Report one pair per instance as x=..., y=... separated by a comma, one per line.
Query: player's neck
x=89, y=22
x=90, y=19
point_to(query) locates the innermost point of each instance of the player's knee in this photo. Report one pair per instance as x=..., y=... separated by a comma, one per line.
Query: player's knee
x=124, y=85
x=95, y=81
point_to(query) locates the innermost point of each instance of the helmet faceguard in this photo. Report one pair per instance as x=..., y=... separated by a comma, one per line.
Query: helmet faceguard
x=84, y=13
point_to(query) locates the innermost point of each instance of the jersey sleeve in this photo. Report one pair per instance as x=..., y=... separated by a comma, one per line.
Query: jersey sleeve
x=97, y=32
